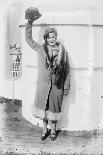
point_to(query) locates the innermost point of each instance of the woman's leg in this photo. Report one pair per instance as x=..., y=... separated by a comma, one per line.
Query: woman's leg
x=45, y=123
x=44, y=134
x=53, y=134
x=53, y=127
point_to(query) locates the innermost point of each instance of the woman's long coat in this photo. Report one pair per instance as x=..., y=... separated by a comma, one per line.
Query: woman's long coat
x=43, y=83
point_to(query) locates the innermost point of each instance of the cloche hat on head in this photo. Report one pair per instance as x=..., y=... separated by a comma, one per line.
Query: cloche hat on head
x=50, y=30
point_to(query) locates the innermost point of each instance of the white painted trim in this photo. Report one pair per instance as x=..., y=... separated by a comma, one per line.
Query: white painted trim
x=75, y=16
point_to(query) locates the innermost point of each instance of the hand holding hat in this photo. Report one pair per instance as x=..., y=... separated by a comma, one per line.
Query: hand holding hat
x=32, y=14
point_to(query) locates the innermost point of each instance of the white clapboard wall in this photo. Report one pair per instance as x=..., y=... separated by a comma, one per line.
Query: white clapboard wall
x=82, y=37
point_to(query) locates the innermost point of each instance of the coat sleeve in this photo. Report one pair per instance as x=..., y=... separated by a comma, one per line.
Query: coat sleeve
x=67, y=72
x=28, y=37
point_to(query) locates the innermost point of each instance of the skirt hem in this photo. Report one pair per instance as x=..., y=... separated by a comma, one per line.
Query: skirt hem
x=42, y=114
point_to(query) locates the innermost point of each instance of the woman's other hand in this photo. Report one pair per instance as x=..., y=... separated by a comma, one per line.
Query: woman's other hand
x=66, y=92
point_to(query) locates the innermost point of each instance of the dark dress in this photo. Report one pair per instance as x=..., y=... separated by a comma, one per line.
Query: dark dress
x=55, y=96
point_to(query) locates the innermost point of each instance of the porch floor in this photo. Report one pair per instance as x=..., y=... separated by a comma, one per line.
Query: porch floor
x=18, y=136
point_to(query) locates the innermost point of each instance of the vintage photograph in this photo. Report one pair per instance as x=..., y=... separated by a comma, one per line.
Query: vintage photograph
x=51, y=71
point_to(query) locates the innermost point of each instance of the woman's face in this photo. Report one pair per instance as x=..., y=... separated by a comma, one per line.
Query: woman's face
x=51, y=39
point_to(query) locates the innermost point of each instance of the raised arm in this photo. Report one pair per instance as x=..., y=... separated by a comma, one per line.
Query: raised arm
x=28, y=37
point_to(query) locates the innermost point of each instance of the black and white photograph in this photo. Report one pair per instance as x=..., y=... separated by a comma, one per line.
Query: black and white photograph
x=51, y=71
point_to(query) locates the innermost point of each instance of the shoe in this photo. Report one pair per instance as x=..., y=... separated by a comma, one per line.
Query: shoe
x=53, y=136
x=44, y=135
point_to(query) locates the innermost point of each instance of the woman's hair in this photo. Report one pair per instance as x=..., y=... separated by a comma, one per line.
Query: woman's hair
x=49, y=30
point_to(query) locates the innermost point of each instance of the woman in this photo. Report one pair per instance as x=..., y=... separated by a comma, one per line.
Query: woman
x=52, y=78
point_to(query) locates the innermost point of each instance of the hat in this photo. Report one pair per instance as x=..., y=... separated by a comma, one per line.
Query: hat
x=32, y=13
x=50, y=30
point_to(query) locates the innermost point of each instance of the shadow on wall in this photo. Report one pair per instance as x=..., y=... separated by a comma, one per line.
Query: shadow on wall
x=69, y=99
